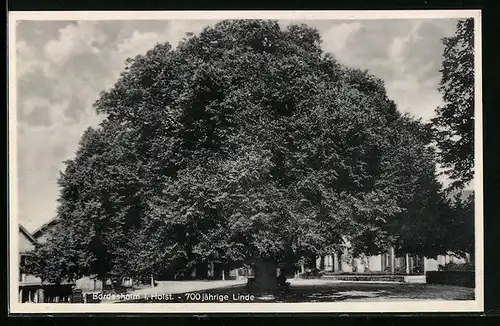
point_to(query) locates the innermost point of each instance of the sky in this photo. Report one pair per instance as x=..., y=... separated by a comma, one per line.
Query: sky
x=62, y=66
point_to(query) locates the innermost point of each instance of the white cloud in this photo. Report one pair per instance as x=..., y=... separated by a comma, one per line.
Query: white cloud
x=28, y=60
x=43, y=147
x=178, y=29
x=412, y=97
x=84, y=59
x=77, y=65
x=383, y=52
x=137, y=43
x=140, y=43
x=336, y=38
x=76, y=39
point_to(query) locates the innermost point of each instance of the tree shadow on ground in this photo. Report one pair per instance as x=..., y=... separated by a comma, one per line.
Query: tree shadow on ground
x=360, y=292
x=336, y=292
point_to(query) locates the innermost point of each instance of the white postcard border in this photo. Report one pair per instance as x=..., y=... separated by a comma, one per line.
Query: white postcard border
x=435, y=306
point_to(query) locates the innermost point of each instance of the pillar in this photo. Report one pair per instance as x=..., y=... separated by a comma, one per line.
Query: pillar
x=302, y=269
x=211, y=269
x=424, y=263
x=21, y=295
x=392, y=260
x=407, y=264
x=152, y=282
x=339, y=260
x=354, y=264
x=335, y=262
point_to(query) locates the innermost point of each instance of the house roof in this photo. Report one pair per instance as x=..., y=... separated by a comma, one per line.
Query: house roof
x=41, y=230
x=28, y=235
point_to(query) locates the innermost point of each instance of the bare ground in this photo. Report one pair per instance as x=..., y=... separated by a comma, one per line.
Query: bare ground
x=331, y=291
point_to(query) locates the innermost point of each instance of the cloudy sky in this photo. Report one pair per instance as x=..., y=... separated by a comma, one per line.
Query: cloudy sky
x=62, y=66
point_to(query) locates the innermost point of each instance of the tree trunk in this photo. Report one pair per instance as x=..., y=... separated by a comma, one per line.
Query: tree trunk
x=312, y=262
x=116, y=283
x=202, y=271
x=322, y=262
x=289, y=269
x=392, y=260
x=407, y=264
x=265, y=276
x=103, y=280
x=472, y=257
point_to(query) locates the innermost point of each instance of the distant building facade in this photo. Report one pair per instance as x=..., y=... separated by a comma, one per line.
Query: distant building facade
x=387, y=263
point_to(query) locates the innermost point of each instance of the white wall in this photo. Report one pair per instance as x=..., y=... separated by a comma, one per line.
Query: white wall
x=359, y=265
x=375, y=263
x=346, y=264
x=431, y=264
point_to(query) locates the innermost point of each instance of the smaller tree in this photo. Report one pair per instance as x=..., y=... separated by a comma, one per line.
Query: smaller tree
x=454, y=122
x=461, y=234
x=57, y=260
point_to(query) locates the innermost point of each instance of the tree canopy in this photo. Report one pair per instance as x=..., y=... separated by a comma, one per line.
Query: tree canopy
x=454, y=135
x=454, y=123
x=246, y=141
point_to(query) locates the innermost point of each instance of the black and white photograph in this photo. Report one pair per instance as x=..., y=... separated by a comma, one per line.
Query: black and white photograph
x=245, y=162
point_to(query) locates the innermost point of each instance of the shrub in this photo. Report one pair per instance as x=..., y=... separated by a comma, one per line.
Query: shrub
x=313, y=273
x=457, y=267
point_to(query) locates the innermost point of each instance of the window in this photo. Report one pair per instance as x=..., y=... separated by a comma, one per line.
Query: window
x=22, y=263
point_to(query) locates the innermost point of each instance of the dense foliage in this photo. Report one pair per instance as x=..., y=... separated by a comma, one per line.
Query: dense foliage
x=246, y=141
x=454, y=123
x=454, y=135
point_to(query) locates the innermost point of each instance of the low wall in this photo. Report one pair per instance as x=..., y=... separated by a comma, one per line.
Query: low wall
x=458, y=278
x=415, y=279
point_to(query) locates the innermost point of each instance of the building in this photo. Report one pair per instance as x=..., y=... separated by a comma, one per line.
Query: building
x=388, y=262
x=29, y=285
x=31, y=288
x=385, y=263
x=42, y=233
